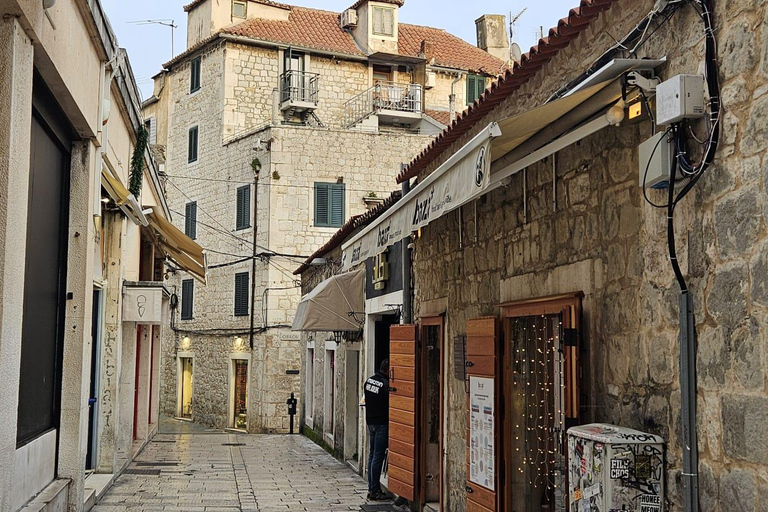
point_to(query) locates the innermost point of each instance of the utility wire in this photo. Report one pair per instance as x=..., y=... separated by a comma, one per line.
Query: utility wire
x=235, y=182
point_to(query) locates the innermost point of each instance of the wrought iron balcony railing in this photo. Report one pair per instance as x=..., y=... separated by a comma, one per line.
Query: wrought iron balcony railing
x=299, y=87
x=384, y=96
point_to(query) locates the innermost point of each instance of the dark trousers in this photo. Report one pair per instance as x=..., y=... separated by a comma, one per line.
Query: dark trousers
x=379, y=439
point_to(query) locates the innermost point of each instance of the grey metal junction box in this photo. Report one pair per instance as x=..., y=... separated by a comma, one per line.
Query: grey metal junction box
x=614, y=469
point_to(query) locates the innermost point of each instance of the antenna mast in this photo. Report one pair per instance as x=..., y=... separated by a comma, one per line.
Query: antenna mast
x=166, y=23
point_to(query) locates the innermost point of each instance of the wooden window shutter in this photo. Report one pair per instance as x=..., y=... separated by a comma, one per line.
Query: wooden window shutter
x=187, y=298
x=190, y=223
x=471, y=89
x=241, y=294
x=483, y=361
x=402, y=411
x=321, y=204
x=243, y=207
x=337, y=206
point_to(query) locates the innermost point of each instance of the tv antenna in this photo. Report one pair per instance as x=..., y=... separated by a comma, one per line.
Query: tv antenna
x=164, y=22
x=515, y=53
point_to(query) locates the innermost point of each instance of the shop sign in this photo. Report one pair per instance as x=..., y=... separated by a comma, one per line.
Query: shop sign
x=143, y=305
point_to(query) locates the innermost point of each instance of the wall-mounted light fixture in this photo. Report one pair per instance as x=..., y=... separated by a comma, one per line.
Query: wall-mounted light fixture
x=47, y=4
x=239, y=343
x=185, y=342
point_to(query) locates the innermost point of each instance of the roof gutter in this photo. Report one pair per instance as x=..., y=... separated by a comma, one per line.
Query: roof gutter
x=282, y=46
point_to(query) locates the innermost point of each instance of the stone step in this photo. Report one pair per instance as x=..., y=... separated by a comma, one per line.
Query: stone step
x=432, y=507
x=52, y=499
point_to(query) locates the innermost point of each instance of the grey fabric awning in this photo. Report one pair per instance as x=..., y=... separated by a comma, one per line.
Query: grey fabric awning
x=334, y=305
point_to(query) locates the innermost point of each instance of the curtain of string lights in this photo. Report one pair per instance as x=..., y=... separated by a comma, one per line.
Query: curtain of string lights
x=538, y=404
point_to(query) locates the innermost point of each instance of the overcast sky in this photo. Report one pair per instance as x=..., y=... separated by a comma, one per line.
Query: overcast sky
x=149, y=46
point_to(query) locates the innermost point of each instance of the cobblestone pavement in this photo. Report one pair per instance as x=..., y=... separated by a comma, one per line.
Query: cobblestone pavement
x=234, y=472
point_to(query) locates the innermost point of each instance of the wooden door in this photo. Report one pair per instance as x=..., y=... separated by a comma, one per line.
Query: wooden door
x=402, y=411
x=430, y=398
x=482, y=372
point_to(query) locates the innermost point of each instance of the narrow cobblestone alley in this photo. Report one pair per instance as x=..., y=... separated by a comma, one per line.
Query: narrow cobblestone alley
x=234, y=472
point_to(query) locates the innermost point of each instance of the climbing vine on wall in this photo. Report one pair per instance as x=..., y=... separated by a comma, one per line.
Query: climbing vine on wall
x=137, y=162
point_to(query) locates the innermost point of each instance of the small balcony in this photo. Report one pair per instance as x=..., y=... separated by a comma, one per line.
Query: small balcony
x=392, y=102
x=299, y=91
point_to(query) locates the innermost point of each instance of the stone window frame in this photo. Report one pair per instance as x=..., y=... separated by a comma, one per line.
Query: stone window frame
x=383, y=11
x=237, y=356
x=244, y=5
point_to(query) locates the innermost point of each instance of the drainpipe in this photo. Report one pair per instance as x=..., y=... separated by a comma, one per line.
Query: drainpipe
x=452, y=97
x=407, y=267
x=253, y=258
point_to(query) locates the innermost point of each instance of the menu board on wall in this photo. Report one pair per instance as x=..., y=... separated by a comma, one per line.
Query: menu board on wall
x=482, y=463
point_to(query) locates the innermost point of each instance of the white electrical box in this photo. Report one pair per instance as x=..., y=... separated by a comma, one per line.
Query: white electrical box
x=655, y=158
x=615, y=468
x=680, y=97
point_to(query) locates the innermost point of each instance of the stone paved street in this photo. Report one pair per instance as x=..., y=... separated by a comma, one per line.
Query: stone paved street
x=234, y=472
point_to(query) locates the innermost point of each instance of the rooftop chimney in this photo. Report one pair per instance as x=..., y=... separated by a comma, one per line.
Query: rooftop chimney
x=492, y=35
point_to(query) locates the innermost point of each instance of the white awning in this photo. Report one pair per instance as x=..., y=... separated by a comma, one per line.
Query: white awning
x=484, y=163
x=334, y=305
x=463, y=178
x=184, y=251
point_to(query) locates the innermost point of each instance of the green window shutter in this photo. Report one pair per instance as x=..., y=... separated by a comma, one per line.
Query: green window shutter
x=187, y=298
x=190, y=223
x=337, y=205
x=243, y=207
x=241, y=294
x=194, y=74
x=471, y=88
x=322, y=206
x=480, y=84
x=193, y=144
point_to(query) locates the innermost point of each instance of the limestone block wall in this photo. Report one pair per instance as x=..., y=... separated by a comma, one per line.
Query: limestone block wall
x=295, y=159
x=604, y=239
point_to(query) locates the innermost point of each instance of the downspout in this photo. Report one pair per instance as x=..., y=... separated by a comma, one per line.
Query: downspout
x=452, y=97
x=407, y=267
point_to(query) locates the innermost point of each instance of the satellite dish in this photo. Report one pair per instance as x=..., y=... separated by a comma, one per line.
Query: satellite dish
x=515, y=53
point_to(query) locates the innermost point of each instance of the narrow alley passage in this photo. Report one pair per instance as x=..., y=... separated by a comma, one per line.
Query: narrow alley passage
x=221, y=472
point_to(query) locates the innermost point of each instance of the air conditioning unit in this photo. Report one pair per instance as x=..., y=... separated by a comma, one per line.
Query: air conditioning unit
x=431, y=79
x=349, y=18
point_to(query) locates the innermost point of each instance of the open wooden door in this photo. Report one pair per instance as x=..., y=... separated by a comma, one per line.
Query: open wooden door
x=402, y=411
x=483, y=415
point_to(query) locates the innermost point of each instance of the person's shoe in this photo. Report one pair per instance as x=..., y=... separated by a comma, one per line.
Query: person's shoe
x=379, y=496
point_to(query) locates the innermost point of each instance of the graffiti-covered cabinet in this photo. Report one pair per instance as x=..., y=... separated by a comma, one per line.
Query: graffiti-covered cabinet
x=614, y=469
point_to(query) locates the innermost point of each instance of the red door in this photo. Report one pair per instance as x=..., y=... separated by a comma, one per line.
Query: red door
x=136, y=384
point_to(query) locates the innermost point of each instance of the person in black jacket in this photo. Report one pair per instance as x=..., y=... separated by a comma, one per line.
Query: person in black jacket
x=377, y=417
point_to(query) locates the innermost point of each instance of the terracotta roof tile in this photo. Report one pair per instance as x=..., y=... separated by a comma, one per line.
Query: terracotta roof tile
x=449, y=50
x=309, y=28
x=441, y=116
x=318, y=29
x=559, y=37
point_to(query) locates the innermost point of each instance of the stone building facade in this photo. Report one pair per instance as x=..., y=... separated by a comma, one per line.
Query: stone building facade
x=601, y=238
x=575, y=228
x=81, y=258
x=271, y=90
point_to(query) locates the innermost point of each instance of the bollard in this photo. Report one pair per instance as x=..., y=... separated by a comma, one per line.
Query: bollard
x=291, y=402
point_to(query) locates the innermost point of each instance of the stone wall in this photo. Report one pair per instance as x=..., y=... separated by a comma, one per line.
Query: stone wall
x=293, y=160
x=598, y=235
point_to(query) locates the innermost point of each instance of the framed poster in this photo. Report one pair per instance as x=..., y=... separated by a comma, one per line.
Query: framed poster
x=482, y=460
